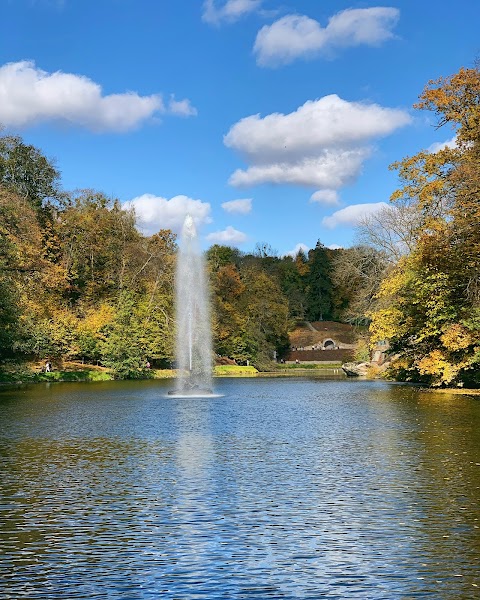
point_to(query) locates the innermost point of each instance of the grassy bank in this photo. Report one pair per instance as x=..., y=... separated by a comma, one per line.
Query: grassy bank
x=33, y=373
x=235, y=371
x=163, y=373
x=11, y=372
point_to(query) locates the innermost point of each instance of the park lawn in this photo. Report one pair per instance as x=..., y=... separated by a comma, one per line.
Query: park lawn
x=31, y=372
x=164, y=373
x=235, y=371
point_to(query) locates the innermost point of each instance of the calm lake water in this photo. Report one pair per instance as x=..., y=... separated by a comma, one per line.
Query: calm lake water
x=283, y=488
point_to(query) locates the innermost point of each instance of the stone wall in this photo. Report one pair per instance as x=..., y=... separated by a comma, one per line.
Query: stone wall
x=344, y=355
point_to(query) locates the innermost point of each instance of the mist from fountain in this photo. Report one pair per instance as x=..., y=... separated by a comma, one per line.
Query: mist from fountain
x=194, y=334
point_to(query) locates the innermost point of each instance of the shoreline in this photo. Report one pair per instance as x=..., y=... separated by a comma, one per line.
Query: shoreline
x=79, y=373
x=23, y=373
x=168, y=374
x=85, y=377
x=456, y=391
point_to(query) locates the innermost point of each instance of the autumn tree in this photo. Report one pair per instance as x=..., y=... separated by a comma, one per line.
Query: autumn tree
x=430, y=302
x=229, y=319
x=25, y=274
x=97, y=240
x=70, y=264
x=267, y=316
x=250, y=311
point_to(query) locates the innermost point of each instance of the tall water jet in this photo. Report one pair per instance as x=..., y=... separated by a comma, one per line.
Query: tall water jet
x=194, y=334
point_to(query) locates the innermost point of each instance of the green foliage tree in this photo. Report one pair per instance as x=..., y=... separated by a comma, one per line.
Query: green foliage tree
x=125, y=348
x=319, y=287
x=27, y=172
x=292, y=283
x=219, y=256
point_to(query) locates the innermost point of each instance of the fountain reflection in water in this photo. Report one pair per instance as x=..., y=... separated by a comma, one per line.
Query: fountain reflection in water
x=194, y=335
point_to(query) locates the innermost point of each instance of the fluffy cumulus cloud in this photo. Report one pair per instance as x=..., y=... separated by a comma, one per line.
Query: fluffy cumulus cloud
x=298, y=36
x=328, y=197
x=154, y=212
x=353, y=214
x=239, y=207
x=227, y=237
x=29, y=95
x=322, y=144
x=330, y=170
x=216, y=12
x=293, y=253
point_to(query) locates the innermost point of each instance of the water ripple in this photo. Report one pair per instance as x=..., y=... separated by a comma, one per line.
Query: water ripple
x=280, y=489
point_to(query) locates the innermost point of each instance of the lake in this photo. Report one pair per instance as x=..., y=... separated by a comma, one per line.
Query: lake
x=282, y=488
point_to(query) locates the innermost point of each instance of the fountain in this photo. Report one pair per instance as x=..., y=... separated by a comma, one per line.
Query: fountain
x=194, y=336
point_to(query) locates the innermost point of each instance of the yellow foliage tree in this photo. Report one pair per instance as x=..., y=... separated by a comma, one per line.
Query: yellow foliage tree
x=429, y=304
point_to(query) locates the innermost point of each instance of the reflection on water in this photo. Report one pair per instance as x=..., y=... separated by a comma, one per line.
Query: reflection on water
x=283, y=488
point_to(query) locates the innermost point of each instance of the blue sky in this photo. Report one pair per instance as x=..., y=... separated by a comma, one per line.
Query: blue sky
x=269, y=121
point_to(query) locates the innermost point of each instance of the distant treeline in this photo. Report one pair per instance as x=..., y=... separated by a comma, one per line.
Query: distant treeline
x=78, y=281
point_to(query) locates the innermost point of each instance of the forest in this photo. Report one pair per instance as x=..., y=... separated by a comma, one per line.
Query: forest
x=78, y=281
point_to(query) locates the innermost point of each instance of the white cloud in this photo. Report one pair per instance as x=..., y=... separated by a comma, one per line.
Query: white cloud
x=154, y=212
x=295, y=36
x=332, y=169
x=228, y=11
x=228, y=237
x=182, y=108
x=29, y=95
x=293, y=253
x=329, y=197
x=326, y=122
x=353, y=214
x=334, y=247
x=323, y=143
x=240, y=207
x=355, y=26
x=437, y=146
